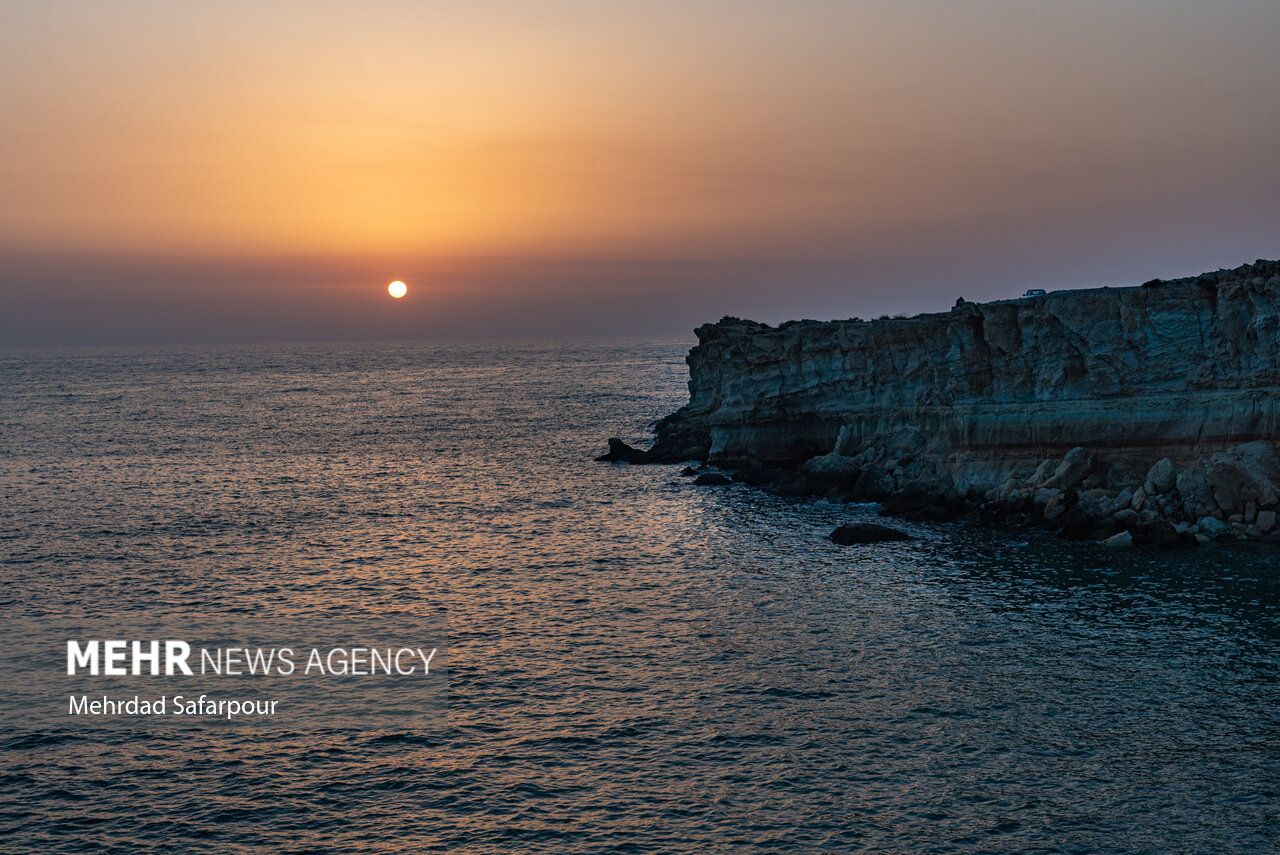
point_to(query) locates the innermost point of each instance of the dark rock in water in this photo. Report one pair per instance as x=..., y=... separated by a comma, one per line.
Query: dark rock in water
x=874, y=484
x=794, y=484
x=689, y=472
x=1159, y=534
x=907, y=501
x=620, y=452
x=711, y=479
x=1075, y=524
x=847, y=535
x=1104, y=529
x=1005, y=510
x=824, y=483
x=924, y=504
x=679, y=438
x=930, y=513
x=759, y=476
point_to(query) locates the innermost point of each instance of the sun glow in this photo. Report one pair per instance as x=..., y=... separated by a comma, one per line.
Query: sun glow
x=397, y=289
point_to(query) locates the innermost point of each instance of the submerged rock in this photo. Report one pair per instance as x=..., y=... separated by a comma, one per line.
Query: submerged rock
x=759, y=476
x=711, y=479
x=848, y=535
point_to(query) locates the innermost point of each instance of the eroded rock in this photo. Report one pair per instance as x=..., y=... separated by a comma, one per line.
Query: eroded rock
x=620, y=452
x=1150, y=409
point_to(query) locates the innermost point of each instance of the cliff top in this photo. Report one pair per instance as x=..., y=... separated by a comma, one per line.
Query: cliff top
x=1260, y=271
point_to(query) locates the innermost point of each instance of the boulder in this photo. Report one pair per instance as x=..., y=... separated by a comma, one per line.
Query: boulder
x=1043, y=473
x=1122, y=474
x=689, y=472
x=1139, y=500
x=1103, y=529
x=1228, y=482
x=792, y=484
x=1213, y=528
x=1118, y=541
x=1190, y=483
x=1059, y=504
x=909, y=500
x=711, y=479
x=931, y=513
x=874, y=484
x=1162, y=477
x=1072, y=470
x=847, y=535
x=832, y=464
x=1266, y=521
x=1075, y=524
x=758, y=476
x=1044, y=496
x=1249, y=471
x=1260, y=460
x=1124, y=499
x=1158, y=534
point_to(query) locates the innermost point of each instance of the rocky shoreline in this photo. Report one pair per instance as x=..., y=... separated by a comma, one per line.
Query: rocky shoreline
x=1145, y=415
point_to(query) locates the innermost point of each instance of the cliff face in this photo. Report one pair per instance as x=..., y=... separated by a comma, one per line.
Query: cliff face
x=1177, y=369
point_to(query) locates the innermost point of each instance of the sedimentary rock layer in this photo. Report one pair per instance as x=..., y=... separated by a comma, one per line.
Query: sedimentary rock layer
x=1178, y=369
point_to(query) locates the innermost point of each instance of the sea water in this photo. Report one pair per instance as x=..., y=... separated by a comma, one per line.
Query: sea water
x=635, y=664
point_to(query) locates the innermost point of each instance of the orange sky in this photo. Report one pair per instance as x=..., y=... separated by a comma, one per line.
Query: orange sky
x=805, y=131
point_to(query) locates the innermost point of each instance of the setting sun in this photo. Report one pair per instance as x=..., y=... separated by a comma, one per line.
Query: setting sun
x=397, y=289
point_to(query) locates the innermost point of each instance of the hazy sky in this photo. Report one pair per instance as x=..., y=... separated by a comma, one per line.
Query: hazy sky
x=259, y=171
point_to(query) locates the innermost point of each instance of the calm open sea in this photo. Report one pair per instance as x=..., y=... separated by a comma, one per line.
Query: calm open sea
x=635, y=664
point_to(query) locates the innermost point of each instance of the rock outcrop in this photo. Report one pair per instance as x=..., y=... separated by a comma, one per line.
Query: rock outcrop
x=1069, y=408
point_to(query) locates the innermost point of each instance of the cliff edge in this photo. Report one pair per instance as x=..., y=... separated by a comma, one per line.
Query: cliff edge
x=1085, y=390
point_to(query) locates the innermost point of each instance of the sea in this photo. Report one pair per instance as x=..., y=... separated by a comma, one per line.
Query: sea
x=635, y=664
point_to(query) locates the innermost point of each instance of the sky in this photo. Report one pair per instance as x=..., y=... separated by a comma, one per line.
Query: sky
x=245, y=171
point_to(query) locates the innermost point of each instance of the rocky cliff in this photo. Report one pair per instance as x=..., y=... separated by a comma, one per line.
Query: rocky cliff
x=987, y=400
